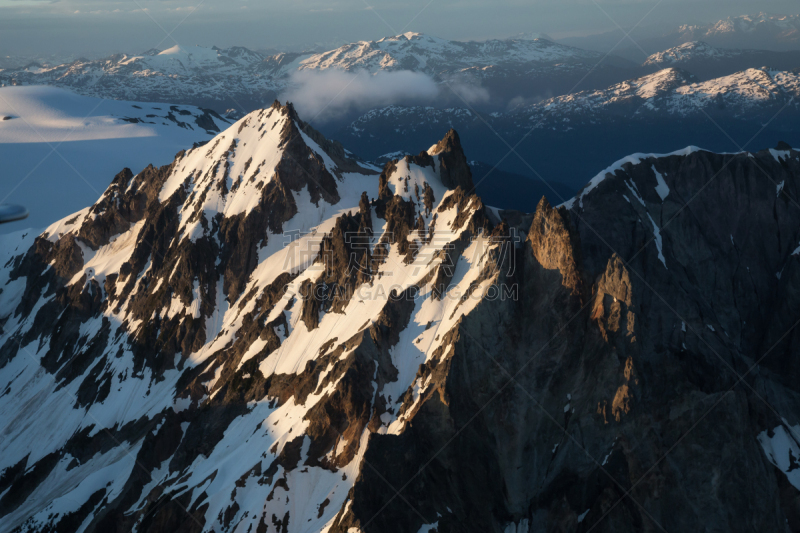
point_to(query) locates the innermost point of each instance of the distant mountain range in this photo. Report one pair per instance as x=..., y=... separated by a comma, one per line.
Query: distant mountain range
x=440, y=57
x=206, y=77
x=778, y=32
x=563, y=138
x=521, y=70
x=240, y=79
x=537, y=92
x=760, y=31
x=707, y=62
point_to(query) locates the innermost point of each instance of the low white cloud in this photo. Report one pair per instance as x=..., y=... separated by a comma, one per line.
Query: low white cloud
x=469, y=92
x=524, y=101
x=330, y=94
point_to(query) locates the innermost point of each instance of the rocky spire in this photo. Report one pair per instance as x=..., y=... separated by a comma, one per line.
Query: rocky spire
x=454, y=167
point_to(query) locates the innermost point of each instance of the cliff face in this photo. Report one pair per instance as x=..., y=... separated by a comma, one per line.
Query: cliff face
x=269, y=336
x=644, y=379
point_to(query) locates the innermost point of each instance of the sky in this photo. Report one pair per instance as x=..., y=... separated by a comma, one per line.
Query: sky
x=94, y=28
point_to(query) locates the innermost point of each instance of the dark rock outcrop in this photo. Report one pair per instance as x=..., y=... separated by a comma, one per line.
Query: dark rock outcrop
x=455, y=170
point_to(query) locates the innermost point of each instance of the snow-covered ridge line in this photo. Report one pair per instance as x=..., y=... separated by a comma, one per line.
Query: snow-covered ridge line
x=746, y=24
x=415, y=51
x=237, y=77
x=673, y=92
x=610, y=172
x=689, y=51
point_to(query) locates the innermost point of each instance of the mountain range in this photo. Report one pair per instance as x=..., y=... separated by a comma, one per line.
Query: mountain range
x=706, y=62
x=548, y=97
x=498, y=74
x=564, y=138
x=560, y=294
x=269, y=335
x=205, y=77
x=762, y=31
x=242, y=80
x=758, y=31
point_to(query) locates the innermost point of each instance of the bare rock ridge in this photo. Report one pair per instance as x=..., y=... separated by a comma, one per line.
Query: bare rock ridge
x=554, y=242
x=268, y=335
x=455, y=169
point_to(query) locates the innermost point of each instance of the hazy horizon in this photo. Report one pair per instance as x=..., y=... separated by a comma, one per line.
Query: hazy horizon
x=97, y=28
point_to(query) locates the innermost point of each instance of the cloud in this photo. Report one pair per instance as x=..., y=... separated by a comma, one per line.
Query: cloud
x=331, y=94
x=524, y=101
x=468, y=91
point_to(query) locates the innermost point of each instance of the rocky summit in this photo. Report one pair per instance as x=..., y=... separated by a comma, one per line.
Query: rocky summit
x=269, y=335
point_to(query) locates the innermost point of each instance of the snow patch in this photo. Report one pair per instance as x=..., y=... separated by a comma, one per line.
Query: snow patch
x=783, y=451
x=659, y=243
x=662, y=188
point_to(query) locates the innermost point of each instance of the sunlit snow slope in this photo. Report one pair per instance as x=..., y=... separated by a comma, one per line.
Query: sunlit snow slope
x=184, y=355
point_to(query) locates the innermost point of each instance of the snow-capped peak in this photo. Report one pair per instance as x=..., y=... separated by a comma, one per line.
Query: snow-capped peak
x=761, y=31
x=751, y=23
x=419, y=52
x=265, y=261
x=409, y=36
x=175, y=50
x=659, y=83
x=189, y=58
x=229, y=176
x=686, y=52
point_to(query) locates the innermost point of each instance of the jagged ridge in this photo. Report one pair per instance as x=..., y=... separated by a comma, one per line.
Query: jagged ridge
x=173, y=314
x=181, y=366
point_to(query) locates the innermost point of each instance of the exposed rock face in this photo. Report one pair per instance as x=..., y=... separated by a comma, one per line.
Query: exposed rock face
x=572, y=406
x=268, y=336
x=554, y=243
x=454, y=167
